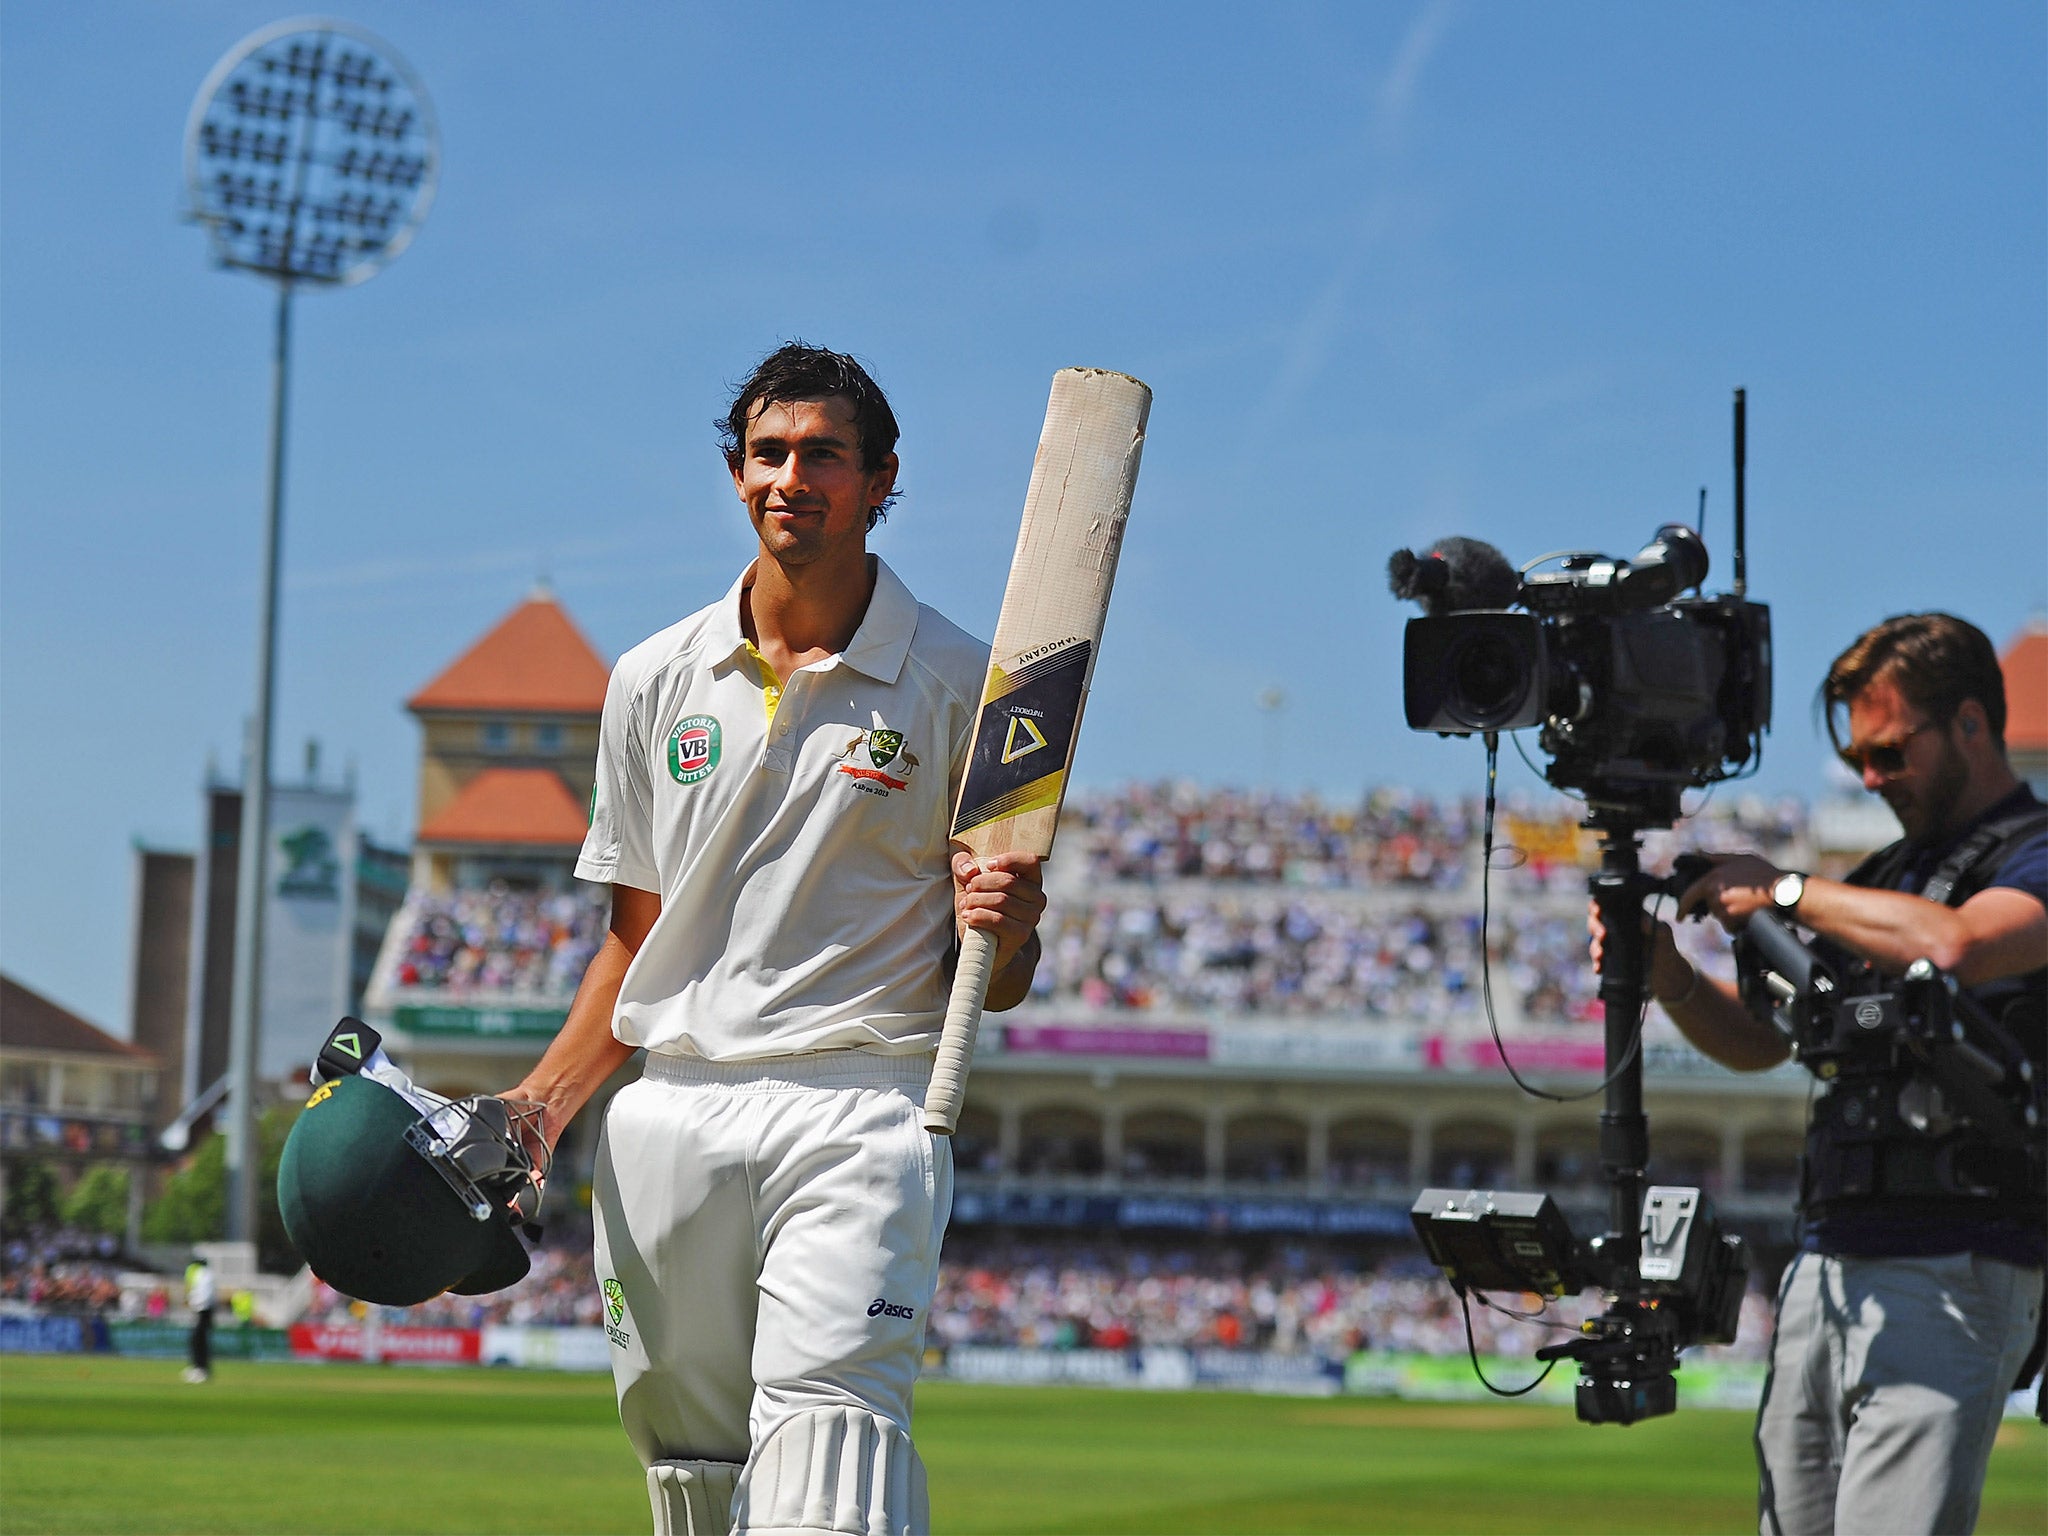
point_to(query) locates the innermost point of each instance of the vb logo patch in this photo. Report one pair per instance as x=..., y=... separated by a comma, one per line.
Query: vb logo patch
x=693, y=748
x=878, y=762
x=615, y=1312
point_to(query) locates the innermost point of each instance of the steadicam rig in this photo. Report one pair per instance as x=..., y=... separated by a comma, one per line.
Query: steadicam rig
x=1640, y=692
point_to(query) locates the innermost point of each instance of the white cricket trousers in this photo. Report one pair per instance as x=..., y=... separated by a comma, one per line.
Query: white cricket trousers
x=768, y=1243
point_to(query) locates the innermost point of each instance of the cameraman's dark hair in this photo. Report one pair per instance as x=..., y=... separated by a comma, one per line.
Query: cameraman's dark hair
x=798, y=371
x=1937, y=660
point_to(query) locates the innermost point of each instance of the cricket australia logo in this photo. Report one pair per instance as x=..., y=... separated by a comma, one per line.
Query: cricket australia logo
x=877, y=761
x=693, y=748
x=615, y=1312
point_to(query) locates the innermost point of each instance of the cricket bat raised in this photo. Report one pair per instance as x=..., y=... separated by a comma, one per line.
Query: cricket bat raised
x=1039, y=666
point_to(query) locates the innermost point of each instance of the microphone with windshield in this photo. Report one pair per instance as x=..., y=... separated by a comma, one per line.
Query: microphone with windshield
x=1456, y=575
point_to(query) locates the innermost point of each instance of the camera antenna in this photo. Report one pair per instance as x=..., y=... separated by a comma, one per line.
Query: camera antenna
x=1741, y=454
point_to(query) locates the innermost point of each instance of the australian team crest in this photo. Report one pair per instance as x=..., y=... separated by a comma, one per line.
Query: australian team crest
x=877, y=761
x=615, y=1312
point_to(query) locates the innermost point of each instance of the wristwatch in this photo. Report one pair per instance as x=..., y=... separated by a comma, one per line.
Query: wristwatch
x=1786, y=891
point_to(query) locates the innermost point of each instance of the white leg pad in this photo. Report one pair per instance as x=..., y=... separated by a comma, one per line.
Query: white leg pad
x=692, y=1498
x=839, y=1470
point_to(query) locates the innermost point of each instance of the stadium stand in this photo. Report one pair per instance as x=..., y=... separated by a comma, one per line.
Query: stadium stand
x=523, y=944
x=62, y=1270
x=1390, y=839
x=1186, y=903
x=1088, y=1293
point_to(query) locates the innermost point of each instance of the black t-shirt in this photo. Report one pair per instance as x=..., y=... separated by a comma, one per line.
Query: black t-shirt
x=1919, y=1235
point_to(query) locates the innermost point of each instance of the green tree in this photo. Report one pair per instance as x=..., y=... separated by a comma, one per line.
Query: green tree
x=31, y=1195
x=194, y=1205
x=98, y=1202
x=274, y=1251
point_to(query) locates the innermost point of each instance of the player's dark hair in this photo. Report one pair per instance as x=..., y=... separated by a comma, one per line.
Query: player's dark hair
x=798, y=371
x=1937, y=660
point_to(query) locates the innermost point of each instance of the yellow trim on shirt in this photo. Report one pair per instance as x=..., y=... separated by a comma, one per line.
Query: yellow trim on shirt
x=771, y=685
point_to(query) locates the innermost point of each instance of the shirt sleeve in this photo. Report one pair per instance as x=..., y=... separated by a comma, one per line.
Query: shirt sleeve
x=619, y=847
x=2026, y=869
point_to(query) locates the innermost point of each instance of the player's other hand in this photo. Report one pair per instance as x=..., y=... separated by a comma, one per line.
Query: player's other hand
x=1736, y=886
x=1004, y=893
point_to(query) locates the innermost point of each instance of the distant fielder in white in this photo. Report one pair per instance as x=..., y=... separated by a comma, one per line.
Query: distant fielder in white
x=775, y=781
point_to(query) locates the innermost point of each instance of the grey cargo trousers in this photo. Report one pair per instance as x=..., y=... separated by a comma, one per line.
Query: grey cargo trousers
x=1887, y=1381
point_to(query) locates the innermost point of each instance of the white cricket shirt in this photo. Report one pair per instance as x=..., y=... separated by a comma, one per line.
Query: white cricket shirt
x=797, y=837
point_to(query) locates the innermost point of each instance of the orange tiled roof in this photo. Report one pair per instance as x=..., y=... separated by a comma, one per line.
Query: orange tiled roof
x=510, y=805
x=31, y=1022
x=535, y=659
x=2026, y=689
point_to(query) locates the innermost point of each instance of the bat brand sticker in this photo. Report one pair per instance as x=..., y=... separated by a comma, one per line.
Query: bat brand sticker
x=1025, y=734
x=693, y=748
x=1024, y=737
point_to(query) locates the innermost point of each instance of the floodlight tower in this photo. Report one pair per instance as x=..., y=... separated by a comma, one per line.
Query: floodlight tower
x=310, y=158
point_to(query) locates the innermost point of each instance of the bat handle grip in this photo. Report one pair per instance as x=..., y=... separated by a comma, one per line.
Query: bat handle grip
x=956, y=1041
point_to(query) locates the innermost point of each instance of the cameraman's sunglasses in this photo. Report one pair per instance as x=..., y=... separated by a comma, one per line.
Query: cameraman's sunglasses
x=1887, y=759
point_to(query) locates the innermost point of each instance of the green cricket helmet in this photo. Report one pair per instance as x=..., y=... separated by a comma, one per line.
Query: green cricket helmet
x=394, y=1194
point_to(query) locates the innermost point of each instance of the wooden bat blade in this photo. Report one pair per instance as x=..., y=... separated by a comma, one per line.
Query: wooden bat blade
x=1054, y=604
x=1046, y=642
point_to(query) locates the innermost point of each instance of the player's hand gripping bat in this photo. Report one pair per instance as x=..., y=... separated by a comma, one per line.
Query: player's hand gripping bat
x=1039, y=666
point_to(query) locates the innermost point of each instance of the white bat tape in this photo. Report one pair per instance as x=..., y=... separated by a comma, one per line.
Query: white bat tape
x=963, y=1019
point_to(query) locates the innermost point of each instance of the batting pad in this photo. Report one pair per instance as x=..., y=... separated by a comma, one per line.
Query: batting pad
x=839, y=1470
x=692, y=1498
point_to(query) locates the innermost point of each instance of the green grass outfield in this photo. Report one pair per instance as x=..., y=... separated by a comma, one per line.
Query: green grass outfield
x=102, y=1444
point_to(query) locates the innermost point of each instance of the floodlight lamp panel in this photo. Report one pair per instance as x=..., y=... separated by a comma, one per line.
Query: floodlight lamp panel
x=311, y=154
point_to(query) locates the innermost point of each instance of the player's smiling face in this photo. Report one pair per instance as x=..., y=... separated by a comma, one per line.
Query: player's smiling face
x=801, y=479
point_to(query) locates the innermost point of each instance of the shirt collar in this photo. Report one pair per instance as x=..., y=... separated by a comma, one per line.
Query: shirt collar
x=878, y=647
x=882, y=642
x=727, y=641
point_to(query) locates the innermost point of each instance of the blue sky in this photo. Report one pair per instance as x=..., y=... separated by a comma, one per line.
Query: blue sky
x=1392, y=270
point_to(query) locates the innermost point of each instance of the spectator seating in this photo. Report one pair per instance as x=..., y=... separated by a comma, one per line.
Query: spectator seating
x=498, y=940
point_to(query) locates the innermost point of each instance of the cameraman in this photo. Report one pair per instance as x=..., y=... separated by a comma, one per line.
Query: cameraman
x=1907, y=1313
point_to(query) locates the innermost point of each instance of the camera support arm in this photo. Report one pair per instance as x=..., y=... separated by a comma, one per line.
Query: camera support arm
x=1978, y=1068
x=1618, y=890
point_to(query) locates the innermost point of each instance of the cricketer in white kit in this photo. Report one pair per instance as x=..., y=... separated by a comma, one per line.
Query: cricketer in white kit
x=775, y=779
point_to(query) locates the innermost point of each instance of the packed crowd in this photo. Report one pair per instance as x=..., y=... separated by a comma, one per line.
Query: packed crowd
x=1217, y=952
x=500, y=940
x=1390, y=838
x=1227, y=902
x=1076, y=1295
x=560, y=1290
x=1211, y=900
x=62, y=1271
x=1067, y=1296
